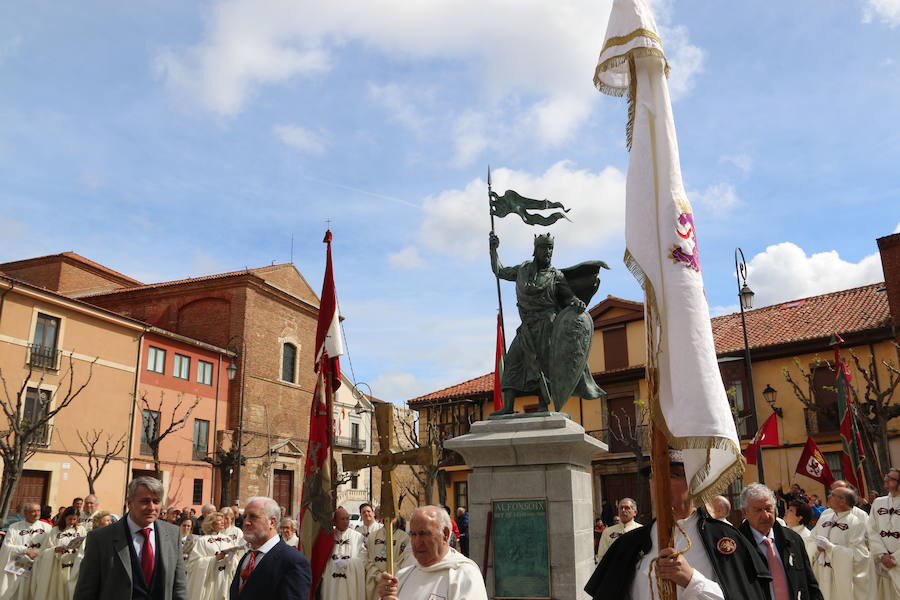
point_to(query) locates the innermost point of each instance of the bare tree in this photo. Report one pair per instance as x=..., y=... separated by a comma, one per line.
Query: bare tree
x=423, y=477
x=25, y=428
x=875, y=404
x=226, y=461
x=97, y=457
x=630, y=430
x=153, y=431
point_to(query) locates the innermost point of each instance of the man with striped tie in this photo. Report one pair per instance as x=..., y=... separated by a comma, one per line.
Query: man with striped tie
x=271, y=568
x=783, y=549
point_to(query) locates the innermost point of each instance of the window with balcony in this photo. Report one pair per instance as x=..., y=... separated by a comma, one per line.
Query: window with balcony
x=204, y=372
x=289, y=363
x=37, y=404
x=149, y=430
x=201, y=439
x=354, y=436
x=43, y=352
x=181, y=366
x=156, y=359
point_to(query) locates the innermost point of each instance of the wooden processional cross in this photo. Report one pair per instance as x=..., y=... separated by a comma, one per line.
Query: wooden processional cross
x=387, y=461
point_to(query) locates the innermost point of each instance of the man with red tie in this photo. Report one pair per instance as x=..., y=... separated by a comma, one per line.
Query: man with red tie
x=783, y=549
x=139, y=557
x=271, y=569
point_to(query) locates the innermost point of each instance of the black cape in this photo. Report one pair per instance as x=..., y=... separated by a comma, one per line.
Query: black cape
x=791, y=547
x=742, y=574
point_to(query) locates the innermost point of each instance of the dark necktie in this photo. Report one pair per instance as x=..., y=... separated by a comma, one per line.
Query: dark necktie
x=147, y=556
x=245, y=572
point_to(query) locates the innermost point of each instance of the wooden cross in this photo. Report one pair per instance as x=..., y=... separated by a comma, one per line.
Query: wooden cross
x=387, y=461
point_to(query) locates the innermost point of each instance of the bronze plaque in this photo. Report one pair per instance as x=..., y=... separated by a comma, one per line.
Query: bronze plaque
x=521, y=549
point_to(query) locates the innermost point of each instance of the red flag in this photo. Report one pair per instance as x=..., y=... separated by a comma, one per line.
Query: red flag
x=766, y=436
x=813, y=465
x=316, y=541
x=852, y=451
x=498, y=364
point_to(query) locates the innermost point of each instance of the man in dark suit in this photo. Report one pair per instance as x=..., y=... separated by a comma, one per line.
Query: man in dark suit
x=271, y=569
x=783, y=550
x=137, y=557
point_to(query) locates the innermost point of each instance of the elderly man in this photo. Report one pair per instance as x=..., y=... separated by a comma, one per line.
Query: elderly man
x=884, y=539
x=138, y=557
x=22, y=543
x=271, y=569
x=627, y=512
x=369, y=524
x=720, y=564
x=842, y=556
x=345, y=572
x=782, y=549
x=440, y=571
x=719, y=508
x=288, y=530
x=204, y=510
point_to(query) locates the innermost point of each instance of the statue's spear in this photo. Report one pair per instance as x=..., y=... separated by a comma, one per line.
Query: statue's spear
x=496, y=277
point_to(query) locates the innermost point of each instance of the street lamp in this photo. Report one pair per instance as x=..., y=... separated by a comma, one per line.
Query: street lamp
x=769, y=394
x=231, y=371
x=745, y=296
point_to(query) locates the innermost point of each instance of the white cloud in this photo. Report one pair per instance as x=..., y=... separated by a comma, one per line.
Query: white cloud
x=886, y=11
x=784, y=272
x=395, y=386
x=743, y=162
x=719, y=198
x=300, y=138
x=400, y=103
x=718, y=311
x=897, y=228
x=408, y=258
x=685, y=59
x=455, y=222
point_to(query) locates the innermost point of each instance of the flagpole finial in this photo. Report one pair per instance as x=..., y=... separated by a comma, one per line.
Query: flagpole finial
x=836, y=339
x=327, y=239
x=489, y=175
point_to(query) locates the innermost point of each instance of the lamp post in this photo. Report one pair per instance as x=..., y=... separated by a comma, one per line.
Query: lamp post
x=745, y=296
x=769, y=394
x=231, y=371
x=362, y=410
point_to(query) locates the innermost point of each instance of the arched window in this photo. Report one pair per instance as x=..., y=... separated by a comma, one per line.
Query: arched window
x=288, y=362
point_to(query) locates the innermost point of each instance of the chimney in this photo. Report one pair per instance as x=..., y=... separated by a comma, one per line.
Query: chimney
x=889, y=247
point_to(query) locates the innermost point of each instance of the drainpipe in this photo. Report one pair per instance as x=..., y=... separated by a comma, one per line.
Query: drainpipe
x=212, y=487
x=134, y=394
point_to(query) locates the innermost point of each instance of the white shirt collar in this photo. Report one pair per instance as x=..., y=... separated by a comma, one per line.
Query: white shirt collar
x=760, y=537
x=271, y=543
x=135, y=528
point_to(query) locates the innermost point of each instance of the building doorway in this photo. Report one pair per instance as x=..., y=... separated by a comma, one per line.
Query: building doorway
x=32, y=487
x=283, y=489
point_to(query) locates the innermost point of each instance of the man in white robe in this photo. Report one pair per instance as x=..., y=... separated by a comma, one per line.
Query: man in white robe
x=884, y=539
x=627, y=511
x=440, y=571
x=23, y=539
x=345, y=572
x=369, y=524
x=842, y=556
x=376, y=549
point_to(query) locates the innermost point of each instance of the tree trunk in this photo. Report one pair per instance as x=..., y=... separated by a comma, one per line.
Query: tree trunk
x=12, y=473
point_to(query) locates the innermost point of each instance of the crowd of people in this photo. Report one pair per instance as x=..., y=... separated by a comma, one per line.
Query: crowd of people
x=784, y=548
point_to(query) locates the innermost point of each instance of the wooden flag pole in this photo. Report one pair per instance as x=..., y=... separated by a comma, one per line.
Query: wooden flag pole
x=662, y=494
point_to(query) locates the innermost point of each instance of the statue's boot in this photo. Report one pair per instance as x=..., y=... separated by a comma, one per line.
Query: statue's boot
x=509, y=401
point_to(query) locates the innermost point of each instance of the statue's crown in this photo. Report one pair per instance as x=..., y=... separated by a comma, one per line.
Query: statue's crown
x=545, y=239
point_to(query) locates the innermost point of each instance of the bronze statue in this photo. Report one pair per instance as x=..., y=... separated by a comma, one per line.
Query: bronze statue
x=548, y=356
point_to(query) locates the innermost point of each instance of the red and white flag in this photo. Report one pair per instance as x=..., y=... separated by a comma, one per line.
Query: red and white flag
x=766, y=436
x=316, y=541
x=813, y=465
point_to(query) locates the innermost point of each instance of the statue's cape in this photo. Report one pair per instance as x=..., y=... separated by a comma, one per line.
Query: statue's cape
x=584, y=278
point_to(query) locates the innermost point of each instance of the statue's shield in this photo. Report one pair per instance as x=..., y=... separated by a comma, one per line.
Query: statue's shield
x=570, y=343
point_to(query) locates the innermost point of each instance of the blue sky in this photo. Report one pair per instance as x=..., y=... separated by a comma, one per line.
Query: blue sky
x=177, y=139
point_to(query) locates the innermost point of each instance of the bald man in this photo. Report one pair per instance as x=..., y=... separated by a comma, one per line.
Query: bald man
x=440, y=571
x=841, y=562
x=345, y=573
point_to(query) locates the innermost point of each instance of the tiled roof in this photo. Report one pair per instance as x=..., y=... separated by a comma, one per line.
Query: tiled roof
x=847, y=311
x=188, y=280
x=78, y=258
x=478, y=385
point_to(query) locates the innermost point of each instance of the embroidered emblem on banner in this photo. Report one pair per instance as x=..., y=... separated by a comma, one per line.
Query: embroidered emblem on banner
x=726, y=545
x=814, y=467
x=685, y=251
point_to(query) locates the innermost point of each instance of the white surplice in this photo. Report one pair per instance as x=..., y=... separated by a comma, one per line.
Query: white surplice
x=209, y=578
x=20, y=537
x=345, y=572
x=841, y=570
x=366, y=530
x=454, y=576
x=55, y=574
x=611, y=534
x=884, y=538
x=376, y=549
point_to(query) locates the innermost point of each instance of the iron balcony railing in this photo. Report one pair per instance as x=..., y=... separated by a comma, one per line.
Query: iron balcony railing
x=43, y=357
x=43, y=435
x=199, y=453
x=353, y=443
x=616, y=444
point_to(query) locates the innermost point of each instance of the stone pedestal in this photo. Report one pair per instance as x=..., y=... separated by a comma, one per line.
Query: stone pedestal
x=535, y=457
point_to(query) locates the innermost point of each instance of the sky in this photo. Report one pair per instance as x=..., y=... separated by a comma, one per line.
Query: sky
x=169, y=139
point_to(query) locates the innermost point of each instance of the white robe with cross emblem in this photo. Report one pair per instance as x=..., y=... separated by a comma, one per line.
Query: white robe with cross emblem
x=377, y=562
x=884, y=538
x=841, y=570
x=345, y=573
x=20, y=537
